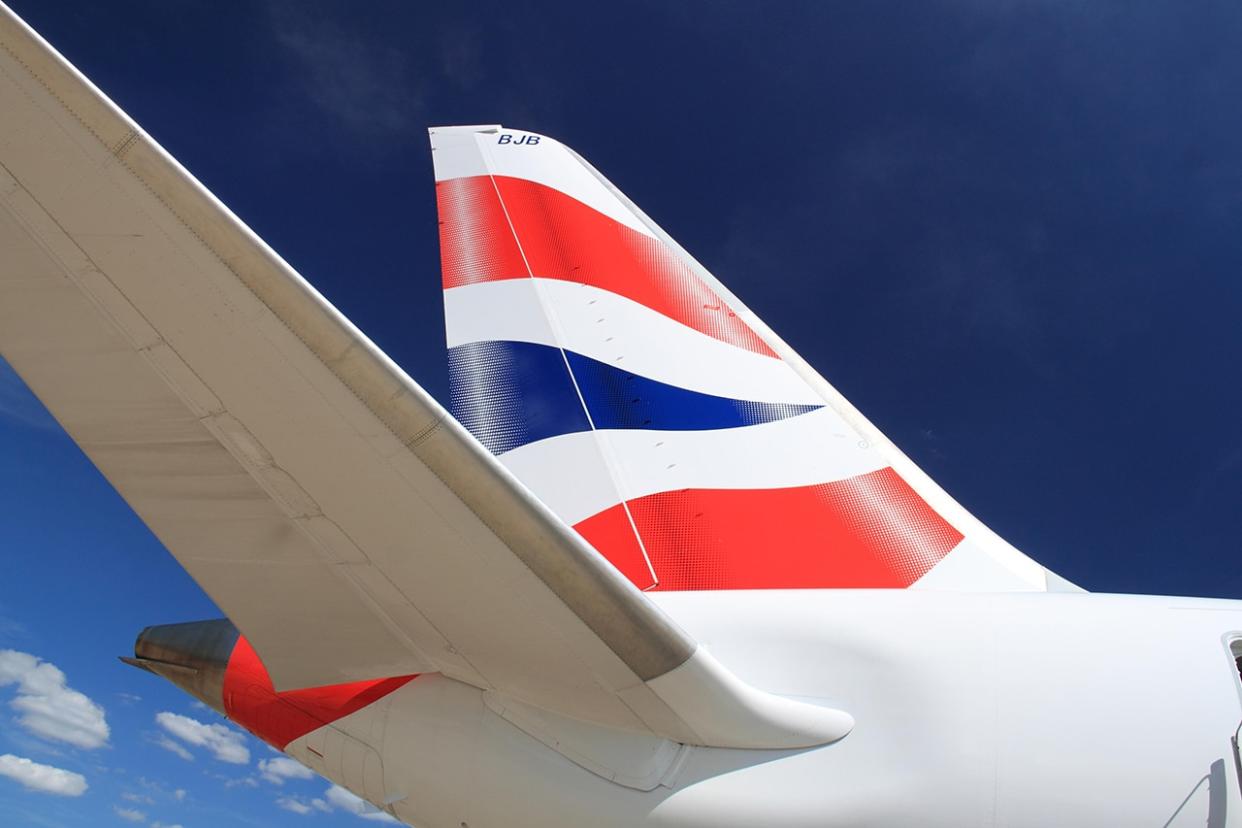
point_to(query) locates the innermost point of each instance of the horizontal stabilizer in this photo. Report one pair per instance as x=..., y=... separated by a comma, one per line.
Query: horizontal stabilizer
x=348, y=526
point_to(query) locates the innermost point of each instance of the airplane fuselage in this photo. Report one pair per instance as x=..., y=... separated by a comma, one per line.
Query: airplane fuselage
x=1029, y=710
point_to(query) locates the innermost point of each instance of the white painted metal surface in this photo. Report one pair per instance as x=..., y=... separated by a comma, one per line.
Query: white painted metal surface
x=698, y=459
x=458, y=151
x=1016, y=710
x=189, y=365
x=612, y=329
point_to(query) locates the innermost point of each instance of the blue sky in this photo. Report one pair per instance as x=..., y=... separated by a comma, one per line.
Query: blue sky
x=1007, y=230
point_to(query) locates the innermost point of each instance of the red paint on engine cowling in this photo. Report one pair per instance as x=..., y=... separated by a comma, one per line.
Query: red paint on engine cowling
x=251, y=700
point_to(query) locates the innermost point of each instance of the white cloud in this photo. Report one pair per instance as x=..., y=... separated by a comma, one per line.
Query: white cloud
x=129, y=814
x=42, y=778
x=371, y=90
x=158, y=791
x=166, y=825
x=278, y=770
x=141, y=799
x=335, y=798
x=172, y=747
x=292, y=804
x=342, y=799
x=225, y=744
x=48, y=707
x=10, y=628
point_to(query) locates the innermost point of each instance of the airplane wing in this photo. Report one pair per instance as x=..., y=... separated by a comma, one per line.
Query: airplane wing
x=347, y=525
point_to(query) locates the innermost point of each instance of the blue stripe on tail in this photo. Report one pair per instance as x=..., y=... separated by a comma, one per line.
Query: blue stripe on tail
x=509, y=394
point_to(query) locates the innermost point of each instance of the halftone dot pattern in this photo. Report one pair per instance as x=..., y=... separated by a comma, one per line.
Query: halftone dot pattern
x=509, y=396
x=750, y=412
x=683, y=290
x=563, y=238
x=476, y=244
x=621, y=399
x=614, y=538
x=898, y=525
x=687, y=548
x=869, y=531
x=512, y=393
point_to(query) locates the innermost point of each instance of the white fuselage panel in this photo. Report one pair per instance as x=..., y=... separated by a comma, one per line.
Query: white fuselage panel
x=1022, y=710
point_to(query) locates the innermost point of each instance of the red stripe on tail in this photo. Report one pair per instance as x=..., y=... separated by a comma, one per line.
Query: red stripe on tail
x=870, y=531
x=565, y=239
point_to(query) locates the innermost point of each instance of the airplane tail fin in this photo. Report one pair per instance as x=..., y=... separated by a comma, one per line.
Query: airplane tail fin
x=654, y=412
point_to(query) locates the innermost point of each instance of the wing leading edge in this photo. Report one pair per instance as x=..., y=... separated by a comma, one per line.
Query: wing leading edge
x=347, y=525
